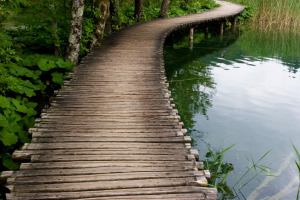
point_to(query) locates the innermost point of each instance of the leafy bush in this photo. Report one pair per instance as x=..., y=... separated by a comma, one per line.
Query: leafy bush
x=21, y=78
x=247, y=14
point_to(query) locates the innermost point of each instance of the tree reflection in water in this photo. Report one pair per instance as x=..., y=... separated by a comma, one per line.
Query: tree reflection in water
x=191, y=81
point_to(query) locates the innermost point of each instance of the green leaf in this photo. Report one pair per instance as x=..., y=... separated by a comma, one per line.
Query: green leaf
x=28, y=121
x=23, y=137
x=29, y=92
x=3, y=121
x=7, y=112
x=4, y=102
x=30, y=61
x=31, y=104
x=38, y=72
x=19, y=106
x=46, y=64
x=31, y=112
x=14, y=117
x=14, y=127
x=57, y=77
x=8, y=162
x=68, y=66
x=60, y=63
x=8, y=138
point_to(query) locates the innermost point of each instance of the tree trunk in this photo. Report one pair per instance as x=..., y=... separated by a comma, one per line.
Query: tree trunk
x=103, y=24
x=138, y=10
x=164, y=9
x=108, y=24
x=73, y=48
x=182, y=3
x=57, y=49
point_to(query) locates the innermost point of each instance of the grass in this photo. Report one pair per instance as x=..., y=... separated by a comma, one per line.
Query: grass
x=298, y=166
x=274, y=13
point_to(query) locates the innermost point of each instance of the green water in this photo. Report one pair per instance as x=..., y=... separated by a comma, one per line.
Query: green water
x=243, y=89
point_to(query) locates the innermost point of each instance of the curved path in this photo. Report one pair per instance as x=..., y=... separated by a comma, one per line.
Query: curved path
x=111, y=131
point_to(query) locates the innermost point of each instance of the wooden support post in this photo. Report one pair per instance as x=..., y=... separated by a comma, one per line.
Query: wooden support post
x=222, y=28
x=191, y=38
x=173, y=37
x=206, y=32
x=233, y=25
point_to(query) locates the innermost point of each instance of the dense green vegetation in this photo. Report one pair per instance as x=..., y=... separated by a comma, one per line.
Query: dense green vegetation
x=22, y=77
x=272, y=13
x=124, y=15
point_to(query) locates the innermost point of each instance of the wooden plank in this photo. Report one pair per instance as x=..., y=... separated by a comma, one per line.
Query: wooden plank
x=19, y=180
x=7, y=174
x=194, y=196
x=102, y=185
x=30, y=172
x=63, y=158
x=106, y=139
x=102, y=145
x=25, y=155
x=99, y=131
x=105, y=127
x=104, y=134
x=93, y=164
x=112, y=193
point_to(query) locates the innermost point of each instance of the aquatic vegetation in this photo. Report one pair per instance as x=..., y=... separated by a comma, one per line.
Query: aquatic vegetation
x=272, y=13
x=220, y=170
x=270, y=43
x=298, y=166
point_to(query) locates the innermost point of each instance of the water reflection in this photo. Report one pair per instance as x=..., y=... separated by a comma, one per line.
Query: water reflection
x=191, y=80
x=242, y=90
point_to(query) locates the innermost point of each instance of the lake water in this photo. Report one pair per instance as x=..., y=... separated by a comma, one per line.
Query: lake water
x=242, y=89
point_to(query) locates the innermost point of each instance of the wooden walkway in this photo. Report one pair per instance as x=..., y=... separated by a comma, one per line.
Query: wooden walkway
x=112, y=131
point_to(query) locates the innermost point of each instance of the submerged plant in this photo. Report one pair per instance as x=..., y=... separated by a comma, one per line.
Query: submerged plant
x=220, y=170
x=298, y=166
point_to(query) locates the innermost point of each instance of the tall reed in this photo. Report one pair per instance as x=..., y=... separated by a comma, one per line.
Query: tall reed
x=274, y=13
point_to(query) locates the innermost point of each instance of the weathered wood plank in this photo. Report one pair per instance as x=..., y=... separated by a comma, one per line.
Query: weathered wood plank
x=193, y=196
x=112, y=139
x=102, y=185
x=25, y=155
x=97, y=170
x=101, y=177
x=63, y=158
x=105, y=134
x=102, y=145
x=112, y=193
x=93, y=164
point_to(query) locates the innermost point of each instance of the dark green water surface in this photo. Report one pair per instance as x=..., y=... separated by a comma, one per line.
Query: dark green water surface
x=243, y=89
